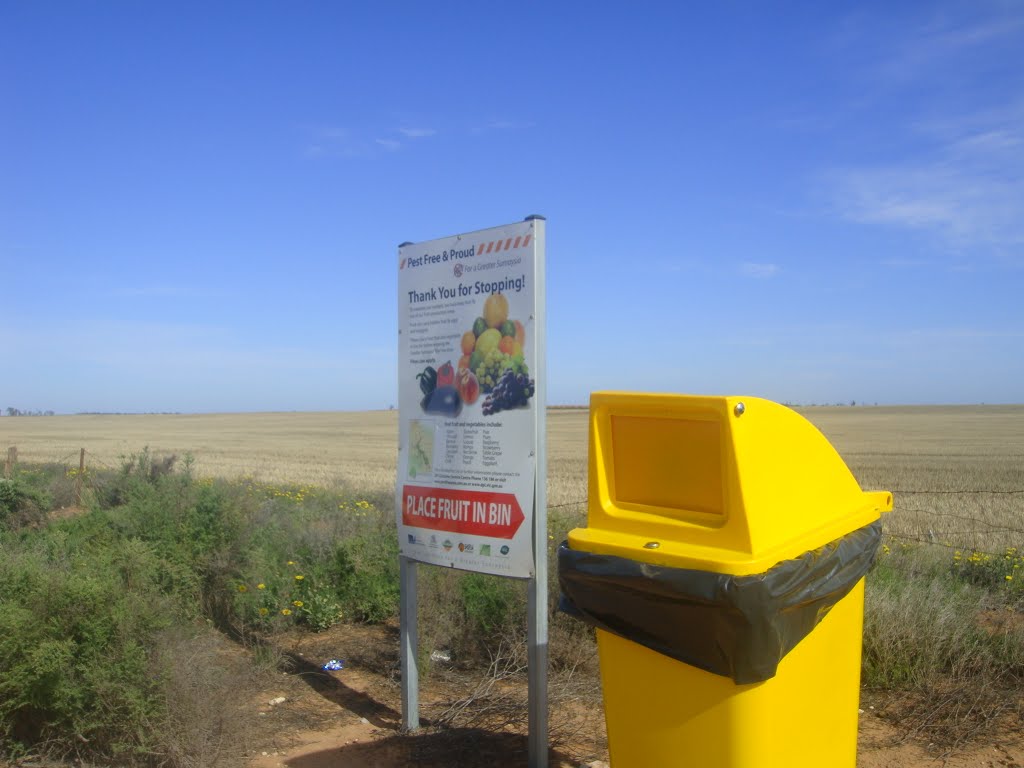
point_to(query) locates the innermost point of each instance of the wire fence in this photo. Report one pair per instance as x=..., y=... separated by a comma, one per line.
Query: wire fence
x=952, y=538
x=1009, y=525
x=81, y=470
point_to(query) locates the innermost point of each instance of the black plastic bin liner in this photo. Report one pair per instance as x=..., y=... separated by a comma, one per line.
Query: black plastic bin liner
x=739, y=627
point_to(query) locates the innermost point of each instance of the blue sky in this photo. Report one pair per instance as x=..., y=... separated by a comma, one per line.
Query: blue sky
x=201, y=203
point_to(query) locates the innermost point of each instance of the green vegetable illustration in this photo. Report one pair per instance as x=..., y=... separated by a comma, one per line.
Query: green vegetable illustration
x=428, y=380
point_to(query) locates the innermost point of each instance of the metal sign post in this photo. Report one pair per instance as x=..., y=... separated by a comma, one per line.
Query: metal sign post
x=537, y=594
x=409, y=639
x=472, y=468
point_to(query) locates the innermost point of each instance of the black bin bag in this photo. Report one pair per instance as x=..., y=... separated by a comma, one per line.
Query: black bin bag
x=739, y=627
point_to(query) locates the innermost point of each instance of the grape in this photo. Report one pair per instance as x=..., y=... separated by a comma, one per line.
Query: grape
x=513, y=390
x=495, y=363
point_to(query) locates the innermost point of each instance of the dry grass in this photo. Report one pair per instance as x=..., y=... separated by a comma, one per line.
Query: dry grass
x=357, y=450
x=934, y=458
x=957, y=473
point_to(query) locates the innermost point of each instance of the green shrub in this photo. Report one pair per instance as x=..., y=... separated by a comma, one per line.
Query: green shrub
x=488, y=602
x=76, y=629
x=137, y=470
x=21, y=504
x=366, y=569
x=94, y=618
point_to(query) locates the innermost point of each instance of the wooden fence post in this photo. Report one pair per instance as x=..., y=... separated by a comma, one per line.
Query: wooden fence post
x=12, y=459
x=78, y=478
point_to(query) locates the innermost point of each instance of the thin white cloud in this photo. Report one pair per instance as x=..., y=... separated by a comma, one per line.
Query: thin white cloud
x=166, y=290
x=501, y=125
x=165, y=346
x=331, y=141
x=938, y=338
x=905, y=263
x=965, y=184
x=757, y=270
x=939, y=38
x=961, y=126
x=969, y=191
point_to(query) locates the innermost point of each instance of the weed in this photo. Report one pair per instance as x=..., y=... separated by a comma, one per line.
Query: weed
x=923, y=624
x=1003, y=572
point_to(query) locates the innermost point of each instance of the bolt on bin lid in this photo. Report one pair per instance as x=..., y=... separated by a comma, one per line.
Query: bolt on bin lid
x=725, y=484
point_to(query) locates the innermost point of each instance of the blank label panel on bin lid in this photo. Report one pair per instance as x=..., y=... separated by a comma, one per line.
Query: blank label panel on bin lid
x=728, y=484
x=674, y=465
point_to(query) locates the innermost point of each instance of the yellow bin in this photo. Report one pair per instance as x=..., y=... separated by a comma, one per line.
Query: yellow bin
x=727, y=485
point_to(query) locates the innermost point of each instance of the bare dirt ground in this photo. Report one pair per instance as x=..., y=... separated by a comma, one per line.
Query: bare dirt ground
x=351, y=718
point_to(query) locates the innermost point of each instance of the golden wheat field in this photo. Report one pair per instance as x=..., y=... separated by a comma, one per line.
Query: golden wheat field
x=957, y=472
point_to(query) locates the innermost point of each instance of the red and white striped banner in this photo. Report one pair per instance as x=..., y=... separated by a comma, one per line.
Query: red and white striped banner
x=509, y=244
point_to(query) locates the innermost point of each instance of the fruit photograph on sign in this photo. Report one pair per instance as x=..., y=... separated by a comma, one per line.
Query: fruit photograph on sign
x=490, y=366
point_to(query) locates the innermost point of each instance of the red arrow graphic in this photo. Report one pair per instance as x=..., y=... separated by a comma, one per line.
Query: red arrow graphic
x=480, y=513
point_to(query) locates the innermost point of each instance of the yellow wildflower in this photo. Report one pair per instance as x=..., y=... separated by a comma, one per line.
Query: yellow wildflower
x=297, y=603
x=286, y=611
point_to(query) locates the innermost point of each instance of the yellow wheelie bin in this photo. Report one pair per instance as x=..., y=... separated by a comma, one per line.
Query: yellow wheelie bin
x=723, y=565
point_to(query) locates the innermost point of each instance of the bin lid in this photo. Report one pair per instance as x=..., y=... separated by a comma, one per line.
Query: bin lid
x=724, y=484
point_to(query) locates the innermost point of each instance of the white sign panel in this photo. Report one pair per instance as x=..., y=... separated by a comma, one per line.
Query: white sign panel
x=467, y=358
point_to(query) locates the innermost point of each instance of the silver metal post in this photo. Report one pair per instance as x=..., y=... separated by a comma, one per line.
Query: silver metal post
x=409, y=639
x=537, y=590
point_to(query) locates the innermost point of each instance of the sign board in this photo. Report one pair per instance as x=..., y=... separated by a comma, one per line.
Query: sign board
x=468, y=371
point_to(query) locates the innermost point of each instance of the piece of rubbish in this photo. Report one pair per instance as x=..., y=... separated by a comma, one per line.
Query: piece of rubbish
x=334, y=664
x=278, y=700
x=441, y=656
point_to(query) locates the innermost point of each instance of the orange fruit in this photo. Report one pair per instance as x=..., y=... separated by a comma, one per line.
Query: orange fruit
x=463, y=363
x=468, y=342
x=507, y=345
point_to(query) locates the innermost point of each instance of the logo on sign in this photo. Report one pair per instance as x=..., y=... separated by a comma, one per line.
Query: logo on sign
x=504, y=549
x=433, y=541
x=458, y=270
x=485, y=550
x=468, y=548
x=447, y=545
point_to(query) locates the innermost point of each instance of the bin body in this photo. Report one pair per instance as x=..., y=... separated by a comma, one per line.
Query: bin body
x=661, y=712
x=734, y=487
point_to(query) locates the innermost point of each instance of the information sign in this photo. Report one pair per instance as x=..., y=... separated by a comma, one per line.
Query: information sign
x=468, y=411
